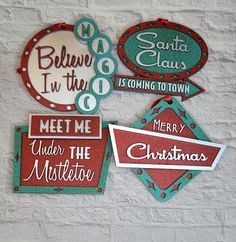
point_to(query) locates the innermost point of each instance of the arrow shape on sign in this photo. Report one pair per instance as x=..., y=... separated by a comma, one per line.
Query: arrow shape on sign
x=184, y=88
x=146, y=149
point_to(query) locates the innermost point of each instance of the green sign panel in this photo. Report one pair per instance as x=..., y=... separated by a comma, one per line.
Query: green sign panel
x=162, y=50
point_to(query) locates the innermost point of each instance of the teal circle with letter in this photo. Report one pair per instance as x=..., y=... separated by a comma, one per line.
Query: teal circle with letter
x=87, y=102
x=85, y=29
x=100, y=45
x=105, y=66
x=101, y=85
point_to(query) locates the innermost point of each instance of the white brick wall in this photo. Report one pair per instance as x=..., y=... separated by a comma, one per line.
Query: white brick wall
x=204, y=211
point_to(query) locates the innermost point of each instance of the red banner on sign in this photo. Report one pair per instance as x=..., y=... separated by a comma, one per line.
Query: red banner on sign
x=66, y=127
x=146, y=149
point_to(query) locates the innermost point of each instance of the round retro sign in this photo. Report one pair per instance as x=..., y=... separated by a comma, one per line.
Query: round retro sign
x=162, y=50
x=61, y=62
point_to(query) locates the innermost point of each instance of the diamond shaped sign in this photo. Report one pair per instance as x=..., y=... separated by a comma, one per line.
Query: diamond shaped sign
x=167, y=123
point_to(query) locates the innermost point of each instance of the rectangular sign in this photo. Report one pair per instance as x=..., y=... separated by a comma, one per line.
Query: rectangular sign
x=147, y=149
x=61, y=165
x=65, y=126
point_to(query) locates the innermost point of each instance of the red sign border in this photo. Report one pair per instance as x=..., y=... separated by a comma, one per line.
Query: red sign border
x=161, y=23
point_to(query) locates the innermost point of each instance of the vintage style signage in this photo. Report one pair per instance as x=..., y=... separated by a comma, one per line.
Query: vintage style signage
x=66, y=127
x=186, y=89
x=162, y=51
x=61, y=165
x=65, y=67
x=70, y=67
x=57, y=65
x=148, y=149
x=167, y=118
x=105, y=66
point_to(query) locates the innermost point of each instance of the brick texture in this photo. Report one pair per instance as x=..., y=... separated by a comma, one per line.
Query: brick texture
x=204, y=211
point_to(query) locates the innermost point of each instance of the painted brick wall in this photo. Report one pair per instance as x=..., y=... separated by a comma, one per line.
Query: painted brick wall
x=204, y=211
